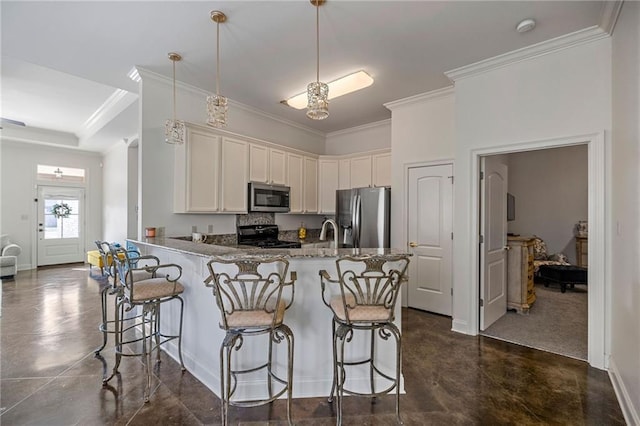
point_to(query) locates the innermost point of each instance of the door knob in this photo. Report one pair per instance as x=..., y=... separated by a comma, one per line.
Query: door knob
x=507, y=248
x=413, y=244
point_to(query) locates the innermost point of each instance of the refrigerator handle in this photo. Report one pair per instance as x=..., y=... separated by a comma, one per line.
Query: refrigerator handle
x=356, y=222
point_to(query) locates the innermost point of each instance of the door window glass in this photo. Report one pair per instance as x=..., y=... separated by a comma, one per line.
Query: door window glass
x=61, y=218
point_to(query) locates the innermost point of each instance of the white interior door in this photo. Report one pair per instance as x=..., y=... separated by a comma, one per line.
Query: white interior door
x=60, y=238
x=430, y=203
x=493, y=246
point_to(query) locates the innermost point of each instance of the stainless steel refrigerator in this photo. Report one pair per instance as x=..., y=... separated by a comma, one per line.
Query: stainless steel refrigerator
x=363, y=217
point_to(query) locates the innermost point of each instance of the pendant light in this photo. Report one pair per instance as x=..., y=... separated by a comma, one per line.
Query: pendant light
x=173, y=128
x=217, y=104
x=317, y=92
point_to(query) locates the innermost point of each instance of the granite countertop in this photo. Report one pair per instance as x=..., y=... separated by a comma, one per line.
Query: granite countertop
x=236, y=251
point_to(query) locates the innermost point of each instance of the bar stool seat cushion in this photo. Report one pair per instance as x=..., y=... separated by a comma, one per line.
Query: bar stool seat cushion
x=257, y=317
x=155, y=288
x=358, y=313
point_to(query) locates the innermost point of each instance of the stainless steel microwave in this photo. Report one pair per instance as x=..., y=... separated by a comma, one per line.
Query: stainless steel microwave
x=268, y=198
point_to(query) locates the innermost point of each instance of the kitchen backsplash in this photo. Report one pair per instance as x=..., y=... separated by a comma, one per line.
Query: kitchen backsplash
x=256, y=219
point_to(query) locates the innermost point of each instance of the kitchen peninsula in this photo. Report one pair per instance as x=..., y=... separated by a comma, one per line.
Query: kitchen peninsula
x=308, y=317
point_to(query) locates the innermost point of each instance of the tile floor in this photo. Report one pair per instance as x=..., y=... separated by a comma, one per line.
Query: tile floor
x=50, y=376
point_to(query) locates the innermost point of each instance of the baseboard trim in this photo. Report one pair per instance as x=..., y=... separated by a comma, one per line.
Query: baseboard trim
x=631, y=415
x=460, y=326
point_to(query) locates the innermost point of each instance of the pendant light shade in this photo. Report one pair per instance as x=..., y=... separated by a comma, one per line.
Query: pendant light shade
x=217, y=104
x=317, y=92
x=174, y=128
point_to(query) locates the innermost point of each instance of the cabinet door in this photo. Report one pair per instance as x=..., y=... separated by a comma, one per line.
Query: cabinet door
x=235, y=172
x=328, y=184
x=277, y=167
x=361, y=172
x=295, y=179
x=258, y=163
x=196, y=173
x=382, y=169
x=310, y=192
x=344, y=174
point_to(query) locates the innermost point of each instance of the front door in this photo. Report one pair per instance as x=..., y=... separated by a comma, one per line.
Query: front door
x=430, y=202
x=60, y=225
x=493, y=245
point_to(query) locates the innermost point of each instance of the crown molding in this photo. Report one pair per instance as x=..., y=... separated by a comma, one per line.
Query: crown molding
x=381, y=123
x=609, y=15
x=422, y=97
x=110, y=109
x=566, y=41
x=40, y=136
x=146, y=74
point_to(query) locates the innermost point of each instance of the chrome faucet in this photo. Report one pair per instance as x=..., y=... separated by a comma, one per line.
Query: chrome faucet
x=323, y=231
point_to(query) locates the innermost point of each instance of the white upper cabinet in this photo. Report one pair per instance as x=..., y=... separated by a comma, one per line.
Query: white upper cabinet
x=310, y=187
x=267, y=165
x=344, y=174
x=196, y=179
x=361, y=172
x=295, y=180
x=258, y=163
x=382, y=169
x=278, y=166
x=328, y=184
x=234, y=175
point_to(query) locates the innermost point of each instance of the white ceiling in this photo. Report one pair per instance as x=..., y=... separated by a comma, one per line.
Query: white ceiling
x=63, y=60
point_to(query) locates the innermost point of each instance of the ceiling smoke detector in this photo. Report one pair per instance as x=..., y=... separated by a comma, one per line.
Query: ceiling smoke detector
x=526, y=25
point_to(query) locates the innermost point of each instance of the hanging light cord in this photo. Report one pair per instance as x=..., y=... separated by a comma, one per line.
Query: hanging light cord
x=217, y=58
x=174, y=90
x=317, y=41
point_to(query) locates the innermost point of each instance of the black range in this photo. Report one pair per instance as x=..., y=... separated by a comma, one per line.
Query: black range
x=263, y=236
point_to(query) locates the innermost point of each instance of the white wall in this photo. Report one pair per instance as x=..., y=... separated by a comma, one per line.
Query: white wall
x=156, y=157
x=132, y=190
x=625, y=291
x=359, y=139
x=18, y=176
x=423, y=130
x=114, y=194
x=551, y=192
x=560, y=94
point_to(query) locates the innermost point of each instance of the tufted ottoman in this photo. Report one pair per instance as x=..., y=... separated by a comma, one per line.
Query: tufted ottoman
x=563, y=275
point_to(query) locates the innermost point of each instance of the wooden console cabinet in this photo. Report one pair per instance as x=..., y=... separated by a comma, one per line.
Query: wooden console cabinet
x=582, y=254
x=520, y=290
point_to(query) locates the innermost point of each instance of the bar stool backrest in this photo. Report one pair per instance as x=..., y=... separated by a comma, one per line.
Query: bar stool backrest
x=109, y=267
x=370, y=281
x=249, y=285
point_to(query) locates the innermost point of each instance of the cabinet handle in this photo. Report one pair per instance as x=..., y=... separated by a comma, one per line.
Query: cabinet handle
x=413, y=244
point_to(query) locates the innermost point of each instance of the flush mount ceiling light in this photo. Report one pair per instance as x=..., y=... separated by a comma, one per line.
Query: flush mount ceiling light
x=317, y=92
x=526, y=25
x=342, y=86
x=217, y=104
x=173, y=128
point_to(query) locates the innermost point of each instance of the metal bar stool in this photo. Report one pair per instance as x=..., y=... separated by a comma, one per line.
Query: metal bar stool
x=249, y=295
x=113, y=287
x=147, y=294
x=364, y=298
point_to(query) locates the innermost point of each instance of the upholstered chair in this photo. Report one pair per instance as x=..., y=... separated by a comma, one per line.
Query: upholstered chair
x=9, y=257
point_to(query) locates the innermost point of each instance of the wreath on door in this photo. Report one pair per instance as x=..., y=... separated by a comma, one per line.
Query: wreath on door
x=61, y=210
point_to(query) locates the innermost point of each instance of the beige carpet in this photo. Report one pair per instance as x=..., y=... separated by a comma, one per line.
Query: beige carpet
x=557, y=322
